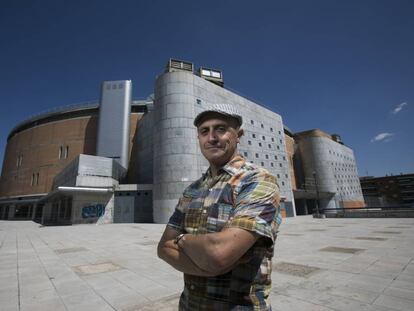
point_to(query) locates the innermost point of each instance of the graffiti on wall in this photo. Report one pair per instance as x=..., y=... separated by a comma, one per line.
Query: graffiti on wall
x=93, y=211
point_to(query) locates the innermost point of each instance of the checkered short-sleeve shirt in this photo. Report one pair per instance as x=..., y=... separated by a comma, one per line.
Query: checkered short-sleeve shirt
x=240, y=196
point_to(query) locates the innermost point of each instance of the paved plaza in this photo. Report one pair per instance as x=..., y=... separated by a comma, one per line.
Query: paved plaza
x=320, y=264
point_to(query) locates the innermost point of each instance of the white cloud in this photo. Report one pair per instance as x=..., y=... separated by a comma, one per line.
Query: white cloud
x=398, y=108
x=385, y=137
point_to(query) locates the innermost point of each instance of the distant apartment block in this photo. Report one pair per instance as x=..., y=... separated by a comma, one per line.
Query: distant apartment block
x=393, y=190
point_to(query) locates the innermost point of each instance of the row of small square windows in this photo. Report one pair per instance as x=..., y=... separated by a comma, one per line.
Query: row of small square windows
x=262, y=126
x=264, y=138
x=341, y=155
x=249, y=142
x=114, y=86
x=246, y=154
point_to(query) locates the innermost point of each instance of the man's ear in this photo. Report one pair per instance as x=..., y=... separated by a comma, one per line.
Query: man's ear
x=240, y=133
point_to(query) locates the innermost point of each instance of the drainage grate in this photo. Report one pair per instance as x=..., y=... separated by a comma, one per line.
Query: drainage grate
x=294, y=269
x=368, y=238
x=70, y=250
x=96, y=268
x=387, y=232
x=345, y=250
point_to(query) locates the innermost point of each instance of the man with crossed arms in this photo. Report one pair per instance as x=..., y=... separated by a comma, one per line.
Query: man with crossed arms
x=222, y=232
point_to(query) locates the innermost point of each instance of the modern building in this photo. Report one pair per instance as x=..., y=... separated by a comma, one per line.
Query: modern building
x=325, y=167
x=388, y=191
x=124, y=160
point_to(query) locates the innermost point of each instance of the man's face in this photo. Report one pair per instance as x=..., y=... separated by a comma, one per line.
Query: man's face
x=218, y=137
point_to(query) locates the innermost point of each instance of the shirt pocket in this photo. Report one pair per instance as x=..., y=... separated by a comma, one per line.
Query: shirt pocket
x=219, y=214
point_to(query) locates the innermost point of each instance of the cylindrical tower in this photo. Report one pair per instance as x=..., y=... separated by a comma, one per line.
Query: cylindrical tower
x=175, y=141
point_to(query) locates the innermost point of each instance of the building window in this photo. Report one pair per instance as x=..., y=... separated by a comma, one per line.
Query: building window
x=278, y=175
x=245, y=154
x=35, y=179
x=280, y=164
x=280, y=141
x=271, y=164
x=257, y=155
x=262, y=126
x=283, y=183
x=273, y=140
x=286, y=175
x=267, y=156
x=280, y=133
x=198, y=101
x=60, y=152
x=66, y=152
x=260, y=144
x=278, y=147
x=270, y=146
x=251, y=121
x=264, y=138
x=261, y=163
x=271, y=129
x=19, y=161
x=284, y=158
x=275, y=157
x=249, y=142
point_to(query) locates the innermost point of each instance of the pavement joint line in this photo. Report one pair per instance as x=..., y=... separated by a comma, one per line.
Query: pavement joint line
x=44, y=269
x=17, y=271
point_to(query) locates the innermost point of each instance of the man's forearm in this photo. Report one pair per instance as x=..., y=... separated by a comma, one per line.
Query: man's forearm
x=171, y=253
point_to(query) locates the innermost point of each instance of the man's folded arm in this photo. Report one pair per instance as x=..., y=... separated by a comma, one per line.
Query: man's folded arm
x=169, y=252
x=218, y=252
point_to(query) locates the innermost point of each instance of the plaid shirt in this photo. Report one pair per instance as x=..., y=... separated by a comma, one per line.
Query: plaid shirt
x=240, y=196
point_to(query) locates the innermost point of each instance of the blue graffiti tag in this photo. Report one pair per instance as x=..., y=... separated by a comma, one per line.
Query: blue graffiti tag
x=92, y=211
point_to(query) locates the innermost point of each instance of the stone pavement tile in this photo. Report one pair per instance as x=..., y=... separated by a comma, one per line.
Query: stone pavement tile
x=100, y=281
x=86, y=301
x=399, y=292
x=369, y=282
x=148, y=288
x=347, y=304
x=66, y=287
x=165, y=304
x=395, y=303
x=384, y=269
x=354, y=293
x=53, y=304
x=9, y=299
x=285, y=303
x=403, y=285
x=122, y=297
x=406, y=277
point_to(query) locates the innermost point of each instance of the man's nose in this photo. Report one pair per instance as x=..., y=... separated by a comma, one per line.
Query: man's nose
x=212, y=136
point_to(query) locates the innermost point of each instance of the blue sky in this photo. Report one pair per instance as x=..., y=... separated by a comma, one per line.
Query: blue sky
x=345, y=67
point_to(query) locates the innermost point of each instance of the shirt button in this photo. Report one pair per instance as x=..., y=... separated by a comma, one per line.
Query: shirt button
x=204, y=211
x=211, y=189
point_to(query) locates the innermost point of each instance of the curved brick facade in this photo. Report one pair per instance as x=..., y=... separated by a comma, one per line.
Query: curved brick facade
x=37, y=152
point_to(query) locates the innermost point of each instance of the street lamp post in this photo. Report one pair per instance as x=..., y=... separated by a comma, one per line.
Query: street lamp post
x=317, y=194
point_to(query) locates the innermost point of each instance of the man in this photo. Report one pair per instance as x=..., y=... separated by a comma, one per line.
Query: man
x=222, y=232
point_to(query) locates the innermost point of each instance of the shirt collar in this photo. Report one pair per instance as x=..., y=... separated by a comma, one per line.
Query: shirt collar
x=231, y=167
